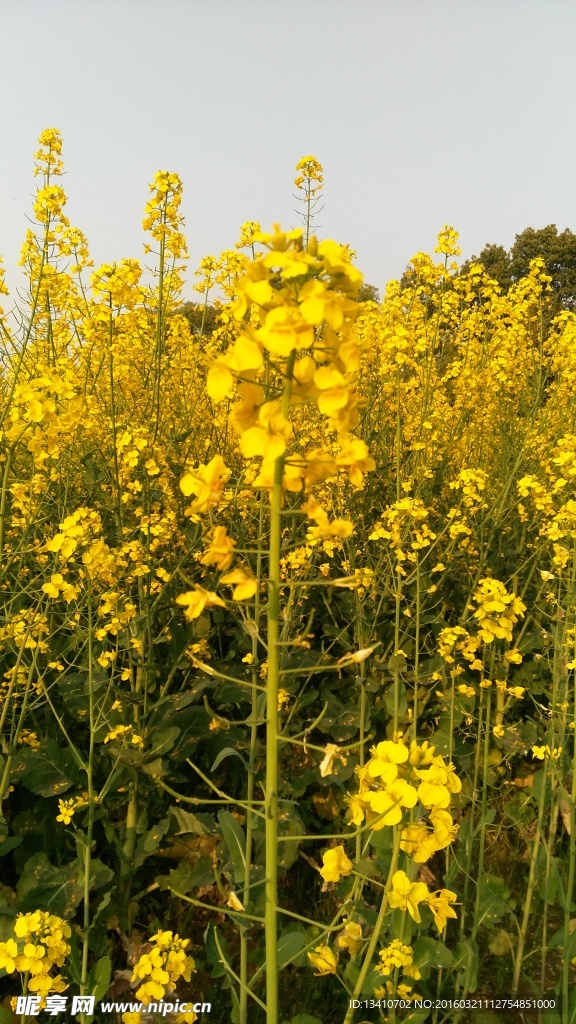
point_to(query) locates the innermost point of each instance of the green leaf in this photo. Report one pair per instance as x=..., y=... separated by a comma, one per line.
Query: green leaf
x=431, y=953
x=493, y=900
x=419, y=1016
x=213, y=956
x=104, y=902
x=54, y=889
x=202, y=824
x=9, y=844
x=235, y=843
x=466, y=961
x=289, y=946
x=501, y=943
x=179, y=879
x=49, y=771
x=74, y=960
x=150, y=767
x=184, y=699
x=558, y=940
x=235, y=1013
x=391, y=699
x=188, y=876
x=289, y=823
x=228, y=752
x=99, y=977
x=163, y=741
x=154, y=837
x=100, y=874
x=303, y=1018
x=397, y=662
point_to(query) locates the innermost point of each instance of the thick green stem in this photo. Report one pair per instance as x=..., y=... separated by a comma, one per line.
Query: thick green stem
x=128, y=848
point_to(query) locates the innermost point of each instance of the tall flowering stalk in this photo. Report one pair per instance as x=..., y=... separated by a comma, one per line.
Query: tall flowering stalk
x=295, y=357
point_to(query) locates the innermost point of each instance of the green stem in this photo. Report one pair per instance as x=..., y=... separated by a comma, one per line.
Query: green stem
x=368, y=957
x=272, y=732
x=531, y=883
x=571, y=875
x=483, y=816
x=90, y=826
x=243, y=1000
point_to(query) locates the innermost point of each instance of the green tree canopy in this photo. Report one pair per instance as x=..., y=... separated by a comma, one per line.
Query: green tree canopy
x=202, y=317
x=558, y=249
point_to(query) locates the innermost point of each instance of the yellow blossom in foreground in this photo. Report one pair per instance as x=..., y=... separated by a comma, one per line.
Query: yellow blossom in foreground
x=336, y=865
x=517, y=691
x=246, y=584
x=439, y=903
x=268, y=437
x=325, y=961
x=8, y=953
x=545, y=751
x=164, y=964
x=66, y=808
x=195, y=601
x=407, y=895
x=350, y=937
x=466, y=691
x=207, y=483
x=513, y=656
x=419, y=842
x=389, y=802
x=324, y=529
x=386, y=757
x=220, y=550
x=438, y=782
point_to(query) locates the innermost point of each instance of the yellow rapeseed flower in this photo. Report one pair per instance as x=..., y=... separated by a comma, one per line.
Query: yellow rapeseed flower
x=195, y=601
x=336, y=865
x=406, y=895
x=325, y=961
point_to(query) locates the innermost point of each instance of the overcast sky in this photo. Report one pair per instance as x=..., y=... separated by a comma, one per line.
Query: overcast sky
x=421, y=111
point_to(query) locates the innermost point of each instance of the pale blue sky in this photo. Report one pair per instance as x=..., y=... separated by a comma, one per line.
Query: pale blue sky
x=422, y=112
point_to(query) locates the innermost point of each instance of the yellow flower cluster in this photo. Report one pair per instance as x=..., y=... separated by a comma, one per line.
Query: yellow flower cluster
x=294, y=312
x=162, y=218
x=124, y=732
x=407, y=895
x=397, y=777
x=403, y=525
x=68, y=808
x=497, y=610
x=544, y=751
x=497, y=613
x=310, y=176
x=397, y=955
x=39, y=946
x=165, y=963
